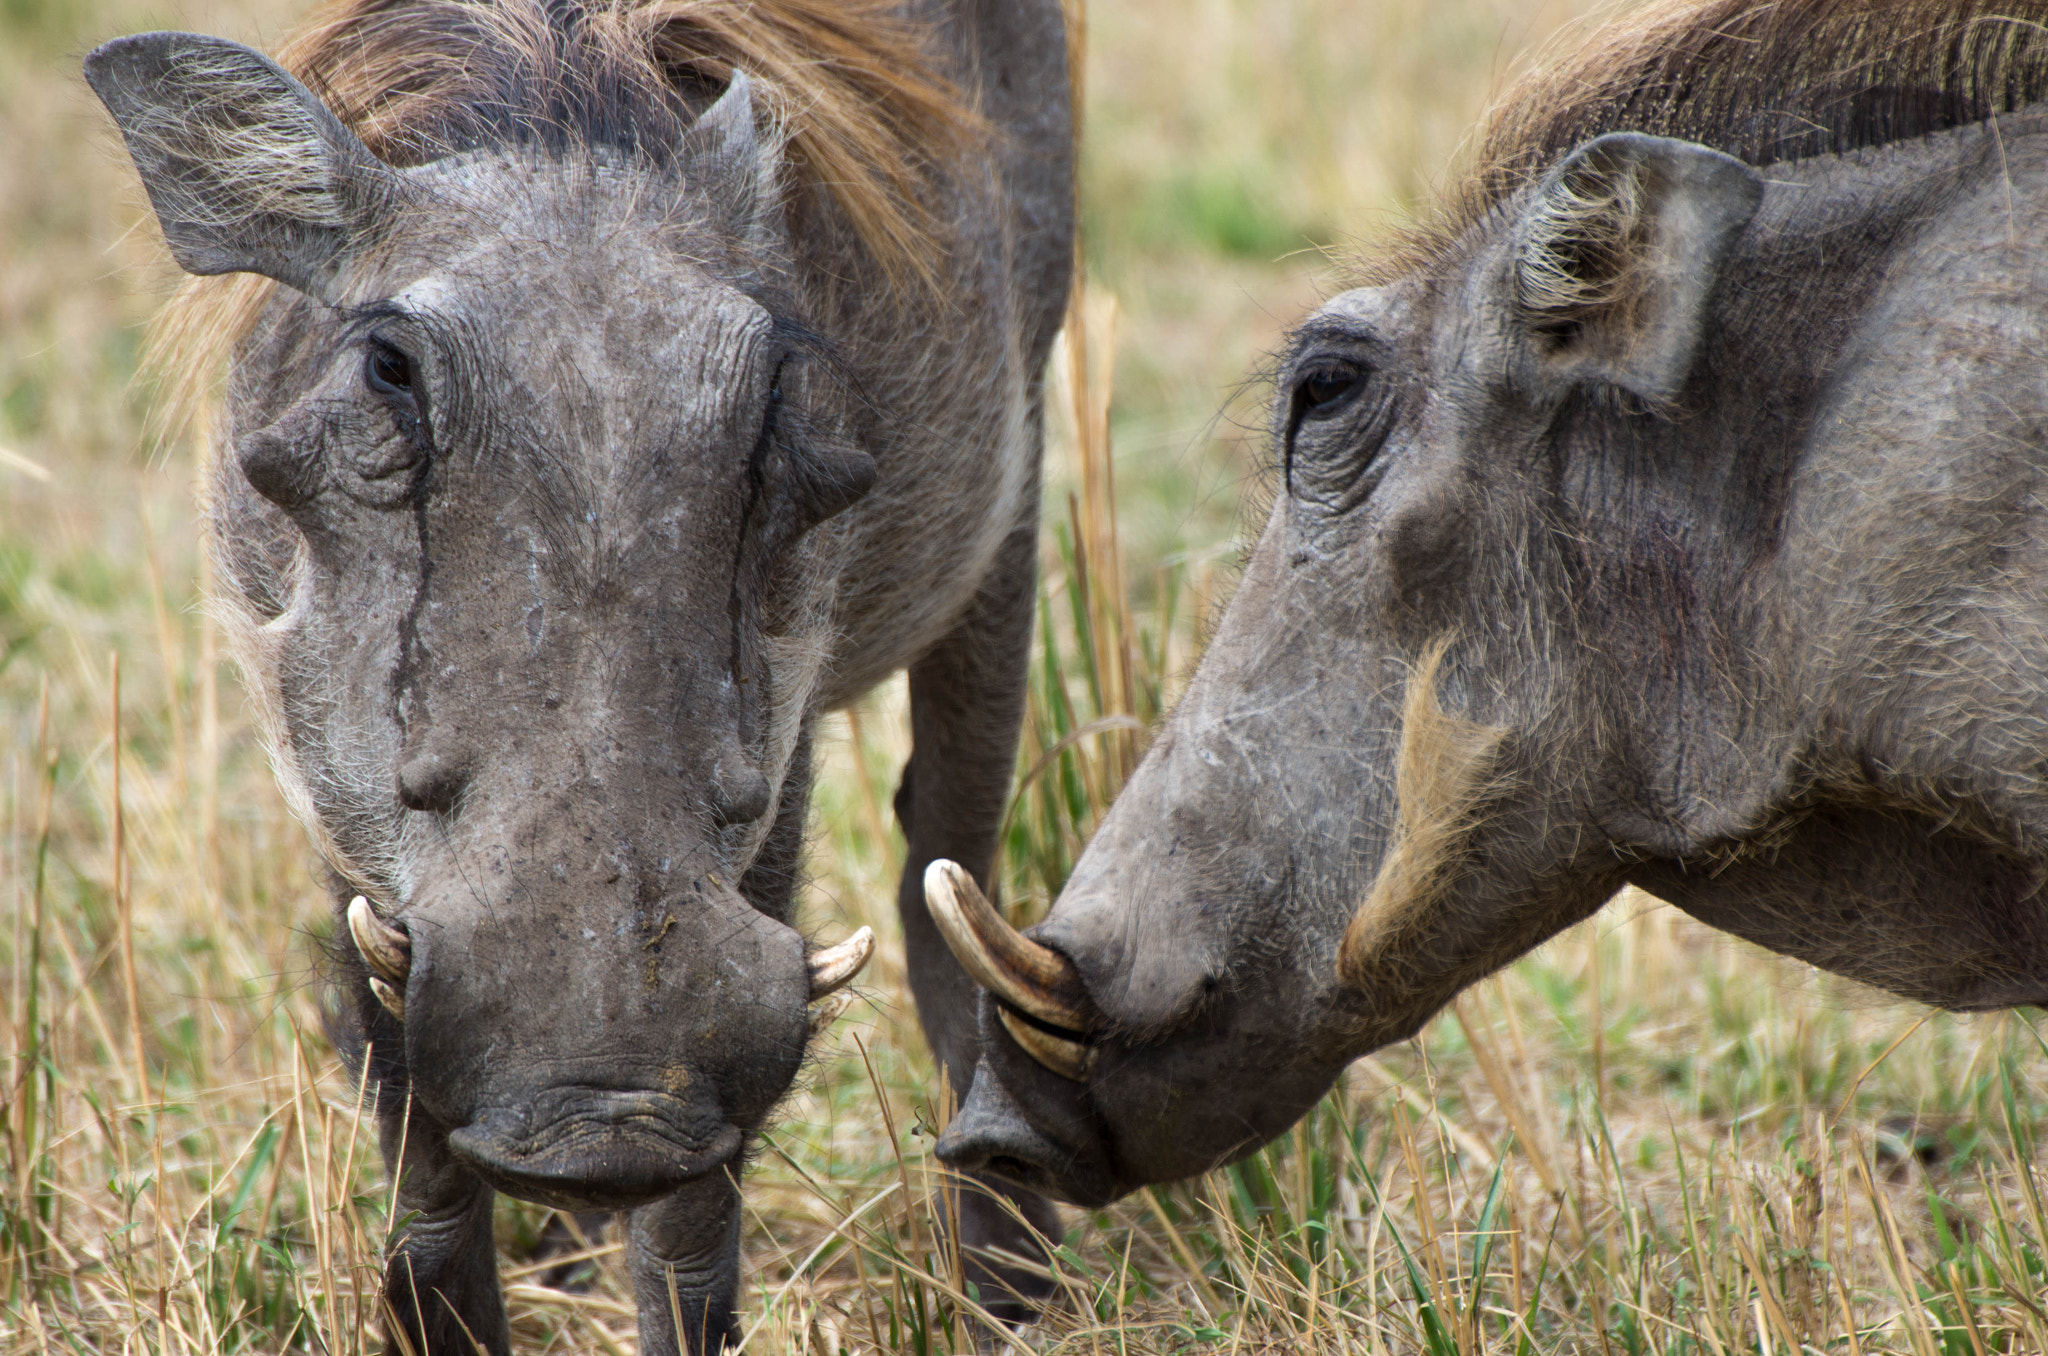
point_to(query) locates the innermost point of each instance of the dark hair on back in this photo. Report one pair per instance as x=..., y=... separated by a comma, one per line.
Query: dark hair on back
x=1763, y=80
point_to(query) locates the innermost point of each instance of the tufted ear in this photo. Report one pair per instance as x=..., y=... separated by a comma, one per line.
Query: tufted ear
x=1616, y=253
x=247, y=171
x=725, y=153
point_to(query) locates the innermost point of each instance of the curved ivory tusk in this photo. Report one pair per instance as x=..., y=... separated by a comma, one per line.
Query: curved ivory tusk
x=386, y=948
x=826, y=1012
x=391, y=998
x=1031, y=978
x=1068, y=1059
x=834, y=968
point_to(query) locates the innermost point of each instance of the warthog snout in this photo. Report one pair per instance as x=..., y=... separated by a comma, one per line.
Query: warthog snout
x=584, y=1148
x=1076, y=1095
x=590, y=1010
x=1054, y=1150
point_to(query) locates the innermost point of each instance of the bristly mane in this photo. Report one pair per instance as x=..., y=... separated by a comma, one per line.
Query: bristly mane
x=863, y=111
x=1764, y=80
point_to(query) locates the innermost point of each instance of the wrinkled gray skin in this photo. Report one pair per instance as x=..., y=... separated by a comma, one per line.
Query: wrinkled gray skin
x=1753, y=572
x=542, y=627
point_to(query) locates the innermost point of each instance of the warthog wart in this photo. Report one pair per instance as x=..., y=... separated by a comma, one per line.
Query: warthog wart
x=646, y=377
x=1674, y=511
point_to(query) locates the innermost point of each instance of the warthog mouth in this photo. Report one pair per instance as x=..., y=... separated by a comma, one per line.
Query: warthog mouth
x=991, y=1136
x=604, y=1150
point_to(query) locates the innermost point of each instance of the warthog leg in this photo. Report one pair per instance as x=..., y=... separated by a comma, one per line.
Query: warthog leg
x=684, y=1253
x=966, y=704
x=440, y=1270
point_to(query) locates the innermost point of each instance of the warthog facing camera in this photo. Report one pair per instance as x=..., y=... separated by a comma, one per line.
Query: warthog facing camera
x=646, y=377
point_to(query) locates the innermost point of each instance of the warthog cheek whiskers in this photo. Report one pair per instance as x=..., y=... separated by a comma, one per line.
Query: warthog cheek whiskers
x=1446, y=770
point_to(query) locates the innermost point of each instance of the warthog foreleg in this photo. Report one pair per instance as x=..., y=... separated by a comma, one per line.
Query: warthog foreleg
x=684, y=1254
x=440, y=1270
x=966, y=704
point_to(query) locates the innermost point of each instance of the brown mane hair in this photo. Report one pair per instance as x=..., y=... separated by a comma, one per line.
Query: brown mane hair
x=1763, y=80
x=863, y=111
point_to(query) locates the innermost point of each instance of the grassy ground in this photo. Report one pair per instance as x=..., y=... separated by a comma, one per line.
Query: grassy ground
x=1646, y=1137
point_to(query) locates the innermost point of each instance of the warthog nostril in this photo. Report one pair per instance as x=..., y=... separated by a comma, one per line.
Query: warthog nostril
x=431, y=780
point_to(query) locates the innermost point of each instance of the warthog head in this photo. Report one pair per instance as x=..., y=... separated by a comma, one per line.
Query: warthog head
x=1668, y=521
x=526, y=458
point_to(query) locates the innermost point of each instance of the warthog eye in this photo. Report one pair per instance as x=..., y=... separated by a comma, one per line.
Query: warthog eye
x=1325, y=387
x=1339, y=413
x=771, y=418
x=389, y=374
x=387, y=371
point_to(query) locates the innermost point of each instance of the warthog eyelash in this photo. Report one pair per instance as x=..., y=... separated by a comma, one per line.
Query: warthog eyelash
x=359, y=321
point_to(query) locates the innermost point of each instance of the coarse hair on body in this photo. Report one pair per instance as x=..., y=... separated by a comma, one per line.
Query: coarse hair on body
x=1580, y=253
x=1766, y=81
x=1769, y=82
x=863, y=115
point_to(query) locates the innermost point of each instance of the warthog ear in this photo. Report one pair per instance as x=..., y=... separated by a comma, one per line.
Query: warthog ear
x=1616, y=255
x=247, y=171
x=725, y=154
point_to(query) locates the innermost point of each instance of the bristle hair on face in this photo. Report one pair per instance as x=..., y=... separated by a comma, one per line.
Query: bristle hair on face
x=1444, y=773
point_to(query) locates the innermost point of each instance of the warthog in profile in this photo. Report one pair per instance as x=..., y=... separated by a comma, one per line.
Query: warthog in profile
x=1674, y=512
x=646, y=377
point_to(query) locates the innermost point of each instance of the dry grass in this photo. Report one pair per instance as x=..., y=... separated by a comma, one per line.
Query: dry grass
x=1644, y=1138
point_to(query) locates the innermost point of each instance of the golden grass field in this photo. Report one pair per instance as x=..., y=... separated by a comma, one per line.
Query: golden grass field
x=1644, y=1138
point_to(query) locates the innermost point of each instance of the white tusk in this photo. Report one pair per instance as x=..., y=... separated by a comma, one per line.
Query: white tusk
x=1029, y=977
x=386, y=949
x=827, y=1011
x=834, y=968
x=1068, y=1059
x=392, y=999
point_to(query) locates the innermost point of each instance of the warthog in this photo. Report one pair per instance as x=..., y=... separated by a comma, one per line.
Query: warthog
x=646, y=377
x=1675, y=511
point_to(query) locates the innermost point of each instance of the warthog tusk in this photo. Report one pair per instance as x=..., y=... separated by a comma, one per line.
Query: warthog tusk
x=1068, y=1059
x=1032, y=978
x=826, y=1012
x=392, y=999
x=834, y=968
x=387, y=949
